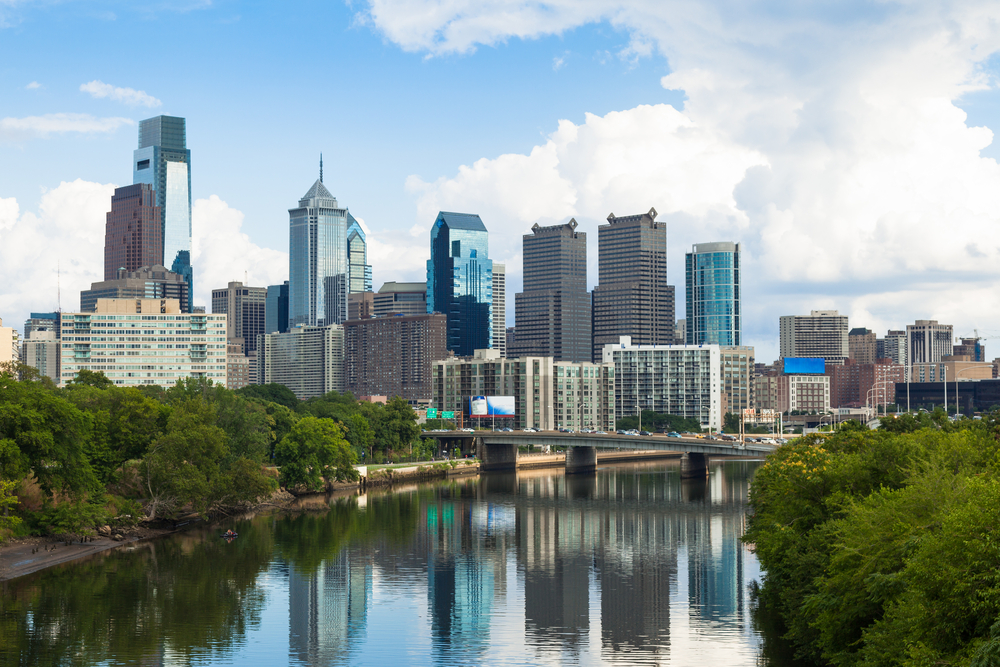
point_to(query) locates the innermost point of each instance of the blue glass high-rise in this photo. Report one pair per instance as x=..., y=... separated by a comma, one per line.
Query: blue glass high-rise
x=712, y=272
x=163, y=161
x=460, y=281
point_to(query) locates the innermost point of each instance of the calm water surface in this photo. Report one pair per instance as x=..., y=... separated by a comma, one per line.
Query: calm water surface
x=628, y=566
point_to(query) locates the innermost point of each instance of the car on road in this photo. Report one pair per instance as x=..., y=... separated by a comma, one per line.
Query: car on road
x=645, y=433
x=673, y=434
x=600, y=433
x=469, y=430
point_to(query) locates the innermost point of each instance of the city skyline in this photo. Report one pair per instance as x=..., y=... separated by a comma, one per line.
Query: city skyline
x=725, y=138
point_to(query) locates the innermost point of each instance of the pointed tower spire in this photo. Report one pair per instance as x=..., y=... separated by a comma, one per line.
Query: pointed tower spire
x=320, y=167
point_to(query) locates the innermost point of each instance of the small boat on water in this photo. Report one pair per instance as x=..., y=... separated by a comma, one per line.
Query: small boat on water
x=229, y=535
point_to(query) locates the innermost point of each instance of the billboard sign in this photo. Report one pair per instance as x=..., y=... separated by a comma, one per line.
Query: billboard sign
x=805, y=365
x=491, y=406
x=432, y=413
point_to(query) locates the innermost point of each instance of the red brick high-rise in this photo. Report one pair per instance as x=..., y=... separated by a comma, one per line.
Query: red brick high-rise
x=133, y=235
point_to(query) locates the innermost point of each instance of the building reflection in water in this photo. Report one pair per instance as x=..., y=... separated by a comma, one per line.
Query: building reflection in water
x=600, y=560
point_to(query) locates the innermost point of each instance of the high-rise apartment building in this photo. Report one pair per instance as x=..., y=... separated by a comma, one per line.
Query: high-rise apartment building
x=246, y=310
x=632, y=297
x=143, y=342
x=163, y=162
x=360, y=305
x=146, y=282
x=392, y=356
x=892, y=347
x=737, y=372
x=307, y=360
x=401, y=299
x=822, y=333
x=40, y=350
x=41, y=322
x=133, y=232
x=681, y=380
x=928, y=342
x=862, y=345
x=552, y=314
x=500, y=308
x=712, y=278
x=460, y=280
x=548, y=394
x=276, y=309
x=237, y=366
x=320, y=274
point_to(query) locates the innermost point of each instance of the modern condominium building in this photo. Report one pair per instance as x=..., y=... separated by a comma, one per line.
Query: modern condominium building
x=712, y=278
x=143, y=341
x=682, y=380
x=553, y=314
x=392, y=356
x=308, y=360
x=499, y=308
x=822, y=333
x=632, y=297
x=40, y=350
x=737, y=374
x=460, y=280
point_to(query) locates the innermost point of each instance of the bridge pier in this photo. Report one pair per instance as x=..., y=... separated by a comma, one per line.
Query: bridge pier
x=581, y=459
x=497, y=456
x=694, y=466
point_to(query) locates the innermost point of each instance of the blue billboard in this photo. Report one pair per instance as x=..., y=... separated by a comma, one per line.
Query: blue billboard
x=804, y=365
x=491, y=406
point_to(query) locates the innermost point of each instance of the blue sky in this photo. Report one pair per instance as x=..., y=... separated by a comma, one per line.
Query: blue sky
x=831, y=140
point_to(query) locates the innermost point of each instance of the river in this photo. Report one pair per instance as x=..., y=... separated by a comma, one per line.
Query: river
x=628, y=566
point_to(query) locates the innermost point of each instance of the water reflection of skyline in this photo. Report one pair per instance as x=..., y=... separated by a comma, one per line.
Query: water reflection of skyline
x=608, y=560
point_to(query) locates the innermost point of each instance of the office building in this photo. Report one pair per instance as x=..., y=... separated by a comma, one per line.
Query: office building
x=237, y=366
x=858, y=385
x=928, y=342
x=862, y=345
x=500, y=308
x=133, y=233
x=147, y=282
x=971, y=348
x=276, y=309
x=9, y=345
x=787, y=393
x=143, y=342
x=552, y=313
x=460, y=281
x=892, y=347
x=360, y=271
x=680, y=331
x=737, y=373
x=712, y=278
x=41, y=351
x=681, y=380
x=392, y=356
x=632, y=297
x=307, y=360
x=41, y=322
x=822, y=333
x=951, y=369
x=361, y=306
x=163, y=162
x=245, y=307
x=401, y=299
x=319, y=259
x=547, y=394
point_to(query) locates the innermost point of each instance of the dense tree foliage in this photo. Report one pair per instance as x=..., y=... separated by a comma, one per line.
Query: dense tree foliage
x=881, y=547
x=315, y=450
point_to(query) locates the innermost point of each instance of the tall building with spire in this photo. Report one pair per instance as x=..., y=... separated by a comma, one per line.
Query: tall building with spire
x=163, y=162
x=327, y=258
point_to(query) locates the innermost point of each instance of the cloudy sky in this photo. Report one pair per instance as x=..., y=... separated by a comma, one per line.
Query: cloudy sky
x=848, y=145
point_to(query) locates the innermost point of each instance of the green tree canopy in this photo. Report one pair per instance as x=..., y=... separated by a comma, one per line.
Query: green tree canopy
x=315, y=449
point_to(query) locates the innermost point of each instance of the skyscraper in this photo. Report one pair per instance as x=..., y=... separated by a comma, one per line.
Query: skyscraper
x=499, y=308
x=276, y=309
x=401, y=299
x=133, y=233
x=319, y=259
x=928, y=342
x=821, y=333
x=712, y=274
x=460, y=281
x=245, y=308
x=632, y=297
x=146, y=282
x=163, y=162
x=552, y=314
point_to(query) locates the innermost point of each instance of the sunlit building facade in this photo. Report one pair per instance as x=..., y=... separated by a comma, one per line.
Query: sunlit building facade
x=712, y=275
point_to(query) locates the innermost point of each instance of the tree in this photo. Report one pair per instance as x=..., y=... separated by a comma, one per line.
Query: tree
x=91, y=379
x=360, y=434
x=315, y=449
x=398, y=428
x=7, y=501
x=272, y=393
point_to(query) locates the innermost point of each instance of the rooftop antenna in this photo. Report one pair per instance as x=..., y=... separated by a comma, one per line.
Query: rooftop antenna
x=320, y=167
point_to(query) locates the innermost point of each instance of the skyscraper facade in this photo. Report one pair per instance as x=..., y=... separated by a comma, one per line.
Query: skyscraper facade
x=553, y=312
x=460, y=281
x=245, y=308
x=133, y=233
x=357, y=258
x=163, y=162
x=500, y=308
x=401, y=299
x=146, y=282
x=276, y=309
x=821, y=333
x=632, y=297
x=319, y=269
x=712, y=279
x=928, y=342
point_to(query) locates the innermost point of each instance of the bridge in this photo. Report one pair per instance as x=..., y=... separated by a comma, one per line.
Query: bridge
x=497, y=450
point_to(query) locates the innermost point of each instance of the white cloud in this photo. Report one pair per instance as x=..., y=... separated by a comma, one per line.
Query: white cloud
x=128, y=96
x=34, y=85
x=557, y=63
x=58, y=123
x=831, y=146
x=221, y=252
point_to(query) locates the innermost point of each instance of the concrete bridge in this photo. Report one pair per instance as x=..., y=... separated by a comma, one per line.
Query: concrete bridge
x=497, y=450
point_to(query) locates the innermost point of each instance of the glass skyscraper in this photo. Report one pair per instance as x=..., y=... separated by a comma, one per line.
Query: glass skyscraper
x=326, y=259
x=163, y=161
x=712, y=273
x=460, y=281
